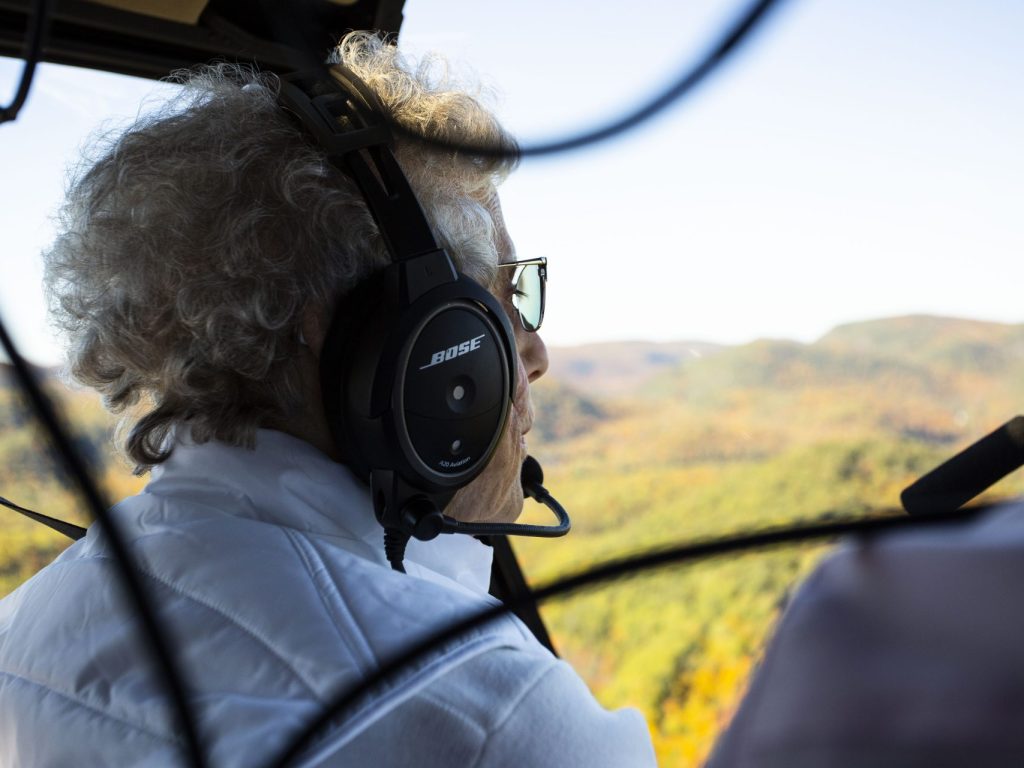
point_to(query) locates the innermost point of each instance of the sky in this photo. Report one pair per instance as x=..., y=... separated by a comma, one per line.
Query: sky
x=855, y=160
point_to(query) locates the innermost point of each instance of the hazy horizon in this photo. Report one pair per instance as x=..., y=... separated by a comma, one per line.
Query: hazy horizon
x=554, y=348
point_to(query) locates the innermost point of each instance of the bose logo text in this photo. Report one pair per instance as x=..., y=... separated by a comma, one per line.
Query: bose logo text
x=458, y=350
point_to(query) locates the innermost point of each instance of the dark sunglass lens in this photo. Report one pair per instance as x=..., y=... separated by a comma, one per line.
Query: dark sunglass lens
x=529, y=297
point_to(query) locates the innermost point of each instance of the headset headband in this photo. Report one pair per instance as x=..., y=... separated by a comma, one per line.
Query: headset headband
x=346, y=119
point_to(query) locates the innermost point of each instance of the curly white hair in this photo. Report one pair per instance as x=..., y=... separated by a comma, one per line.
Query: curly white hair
x=192, y=245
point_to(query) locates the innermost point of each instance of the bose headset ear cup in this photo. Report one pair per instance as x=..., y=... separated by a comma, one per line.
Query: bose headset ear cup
x=457, y=383
x=423, y=389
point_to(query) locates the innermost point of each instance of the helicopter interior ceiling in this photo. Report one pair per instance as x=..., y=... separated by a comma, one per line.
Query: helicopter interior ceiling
x=151, y=38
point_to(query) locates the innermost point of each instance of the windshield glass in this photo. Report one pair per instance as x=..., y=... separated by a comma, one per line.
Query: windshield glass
x=784, y=299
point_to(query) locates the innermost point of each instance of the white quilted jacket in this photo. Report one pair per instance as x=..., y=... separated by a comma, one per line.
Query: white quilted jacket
x=268, y=568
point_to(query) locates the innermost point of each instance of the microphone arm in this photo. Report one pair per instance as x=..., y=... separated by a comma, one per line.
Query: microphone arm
x=421, y=518
x=531, y=477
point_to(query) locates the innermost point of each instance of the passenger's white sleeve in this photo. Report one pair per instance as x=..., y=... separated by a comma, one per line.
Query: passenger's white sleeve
x=557, y=722
x=505, y=707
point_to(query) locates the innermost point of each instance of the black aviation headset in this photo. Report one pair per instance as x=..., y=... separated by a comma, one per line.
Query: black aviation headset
x=418, y=368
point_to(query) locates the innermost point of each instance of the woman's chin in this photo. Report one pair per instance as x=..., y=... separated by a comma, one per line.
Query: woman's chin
x=475, y=505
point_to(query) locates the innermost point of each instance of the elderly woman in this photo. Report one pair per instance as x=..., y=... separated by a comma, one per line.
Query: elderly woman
x=199, y=261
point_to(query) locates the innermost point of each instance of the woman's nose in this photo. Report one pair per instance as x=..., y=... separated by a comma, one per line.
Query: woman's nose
x=533, y=352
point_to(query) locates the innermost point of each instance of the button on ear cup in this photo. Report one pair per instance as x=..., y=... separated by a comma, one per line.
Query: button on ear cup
x=461, y=394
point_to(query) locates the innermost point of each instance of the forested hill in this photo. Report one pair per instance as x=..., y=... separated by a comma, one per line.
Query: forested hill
x=990, y=347
x=649, y=443
x=934, y=379
x=936, y=345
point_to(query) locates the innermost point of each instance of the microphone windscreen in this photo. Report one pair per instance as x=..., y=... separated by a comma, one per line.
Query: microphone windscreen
x=952, y=484
x=531, y=476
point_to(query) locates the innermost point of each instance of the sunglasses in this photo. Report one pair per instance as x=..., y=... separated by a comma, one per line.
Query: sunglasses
x=529, y=287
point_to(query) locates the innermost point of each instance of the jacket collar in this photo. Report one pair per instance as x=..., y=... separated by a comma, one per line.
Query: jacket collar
x=286, y=481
